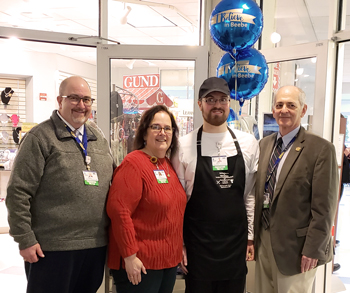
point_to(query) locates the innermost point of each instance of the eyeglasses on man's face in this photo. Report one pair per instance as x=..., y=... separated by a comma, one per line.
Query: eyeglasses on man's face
x=212, y=101
x=75, y=100
x=157, y=128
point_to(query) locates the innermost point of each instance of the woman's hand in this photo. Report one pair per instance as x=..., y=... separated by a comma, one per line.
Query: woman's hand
x=183, y=264
x=133, y=267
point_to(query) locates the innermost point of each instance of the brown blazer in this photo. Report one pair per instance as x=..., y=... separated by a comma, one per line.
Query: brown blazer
x=304, y=202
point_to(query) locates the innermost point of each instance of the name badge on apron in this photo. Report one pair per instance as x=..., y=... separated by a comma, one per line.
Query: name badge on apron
x=266, y=203
x=219, y=163
x=161, y=176
x=90, y=178
x=224, y=180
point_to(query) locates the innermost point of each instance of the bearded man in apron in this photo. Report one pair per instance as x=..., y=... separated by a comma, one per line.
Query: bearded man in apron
x=217, y=167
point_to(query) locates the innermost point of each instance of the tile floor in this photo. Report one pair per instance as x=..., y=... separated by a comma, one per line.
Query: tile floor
x=12, y=276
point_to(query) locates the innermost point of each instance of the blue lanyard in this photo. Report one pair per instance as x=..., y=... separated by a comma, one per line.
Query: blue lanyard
x=278, y=160
x=83, y=145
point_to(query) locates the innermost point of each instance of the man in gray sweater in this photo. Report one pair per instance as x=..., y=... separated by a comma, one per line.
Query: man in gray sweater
x=56, y=197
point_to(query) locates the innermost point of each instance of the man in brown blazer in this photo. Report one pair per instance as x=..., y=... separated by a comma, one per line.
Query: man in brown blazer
x=294, y=215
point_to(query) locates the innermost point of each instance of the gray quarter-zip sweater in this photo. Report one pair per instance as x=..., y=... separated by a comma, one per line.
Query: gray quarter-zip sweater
x=47, y=200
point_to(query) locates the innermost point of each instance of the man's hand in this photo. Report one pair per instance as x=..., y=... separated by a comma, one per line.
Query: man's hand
x=308, y=263
x=31, y=253
x=347, y=152
x=250, y=250
x=183, y=264
x=133, y=267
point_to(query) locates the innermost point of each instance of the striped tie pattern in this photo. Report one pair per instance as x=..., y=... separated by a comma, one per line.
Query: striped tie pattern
x=271, y=184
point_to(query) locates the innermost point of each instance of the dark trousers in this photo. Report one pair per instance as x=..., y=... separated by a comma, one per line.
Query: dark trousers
x=204, y=286
x=77, y=271
x=155, y=281
x=341, y=190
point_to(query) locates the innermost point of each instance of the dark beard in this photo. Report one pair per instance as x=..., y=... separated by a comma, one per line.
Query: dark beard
x=216, y=120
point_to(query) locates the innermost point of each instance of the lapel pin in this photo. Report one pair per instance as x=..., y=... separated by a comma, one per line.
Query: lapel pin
x=298, y=149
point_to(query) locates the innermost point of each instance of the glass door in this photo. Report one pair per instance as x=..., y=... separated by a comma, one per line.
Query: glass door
x=132, y=79
x=304, y=66
x=307, y=67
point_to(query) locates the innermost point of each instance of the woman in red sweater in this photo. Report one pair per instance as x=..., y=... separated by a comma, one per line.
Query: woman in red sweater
x=146, y=205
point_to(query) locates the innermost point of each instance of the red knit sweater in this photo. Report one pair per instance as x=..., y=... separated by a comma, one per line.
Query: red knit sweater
x=146, y=217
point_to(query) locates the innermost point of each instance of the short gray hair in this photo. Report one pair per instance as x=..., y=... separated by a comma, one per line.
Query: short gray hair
x=301, y=95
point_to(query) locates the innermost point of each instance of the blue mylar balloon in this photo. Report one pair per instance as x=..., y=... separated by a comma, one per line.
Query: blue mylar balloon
x=236, y=24
x=250, y=70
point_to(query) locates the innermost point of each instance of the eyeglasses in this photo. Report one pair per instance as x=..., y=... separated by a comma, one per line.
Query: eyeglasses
x=75, y=100
x=157, y=127
x=212, y=101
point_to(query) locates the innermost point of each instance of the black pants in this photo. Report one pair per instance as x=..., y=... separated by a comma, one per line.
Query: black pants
x=204, y=286
x=341, y=190
x=77, y=271
x=155, y=281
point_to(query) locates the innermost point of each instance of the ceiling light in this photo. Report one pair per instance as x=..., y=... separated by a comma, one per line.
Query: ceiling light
x=130, y=64
x=299, y=71
x=124, y=18
x=275, y=37
x=149, y=63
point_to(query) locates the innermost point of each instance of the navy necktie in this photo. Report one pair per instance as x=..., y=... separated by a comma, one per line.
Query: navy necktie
x=271, y=184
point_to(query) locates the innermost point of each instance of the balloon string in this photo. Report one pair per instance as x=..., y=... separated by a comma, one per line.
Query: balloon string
x=234, y=52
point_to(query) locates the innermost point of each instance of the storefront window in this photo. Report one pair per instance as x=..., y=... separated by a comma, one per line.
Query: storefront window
x=345, y=97
x=300, y=73
x=138, y=85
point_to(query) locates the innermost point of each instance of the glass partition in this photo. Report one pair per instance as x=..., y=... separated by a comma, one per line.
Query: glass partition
x=300, y=73
x=137, y=85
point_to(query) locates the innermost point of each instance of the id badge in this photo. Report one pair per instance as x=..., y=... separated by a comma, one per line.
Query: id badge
x=90, y=178
x=219, y=163
x=161, y=176
x=266, y=203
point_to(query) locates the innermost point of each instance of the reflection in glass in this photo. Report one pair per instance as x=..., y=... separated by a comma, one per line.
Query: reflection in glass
x=300, y=73
x=148, y=83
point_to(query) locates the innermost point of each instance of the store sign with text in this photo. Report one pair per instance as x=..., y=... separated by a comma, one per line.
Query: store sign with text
x=146, y=89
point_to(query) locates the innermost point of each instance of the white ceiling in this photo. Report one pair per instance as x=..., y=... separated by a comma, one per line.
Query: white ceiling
x=160, y=22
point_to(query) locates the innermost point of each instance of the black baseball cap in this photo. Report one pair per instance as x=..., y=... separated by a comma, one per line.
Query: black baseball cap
x=213, y=84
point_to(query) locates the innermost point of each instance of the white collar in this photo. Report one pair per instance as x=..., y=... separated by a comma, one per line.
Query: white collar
x=80, y=129
x=289, y=136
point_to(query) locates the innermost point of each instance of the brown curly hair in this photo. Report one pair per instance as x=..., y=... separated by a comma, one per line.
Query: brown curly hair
x=146, y=119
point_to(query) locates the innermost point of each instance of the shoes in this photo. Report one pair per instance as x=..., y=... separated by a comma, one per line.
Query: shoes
x=336, y=267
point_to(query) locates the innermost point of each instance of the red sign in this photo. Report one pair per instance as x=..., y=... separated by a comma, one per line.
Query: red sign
x=276, y=77
x=141, y=81
x=146, y=90
x=159, y=98
x=42, y=97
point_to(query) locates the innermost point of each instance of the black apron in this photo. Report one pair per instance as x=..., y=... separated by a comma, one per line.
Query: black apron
x=215, y=223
